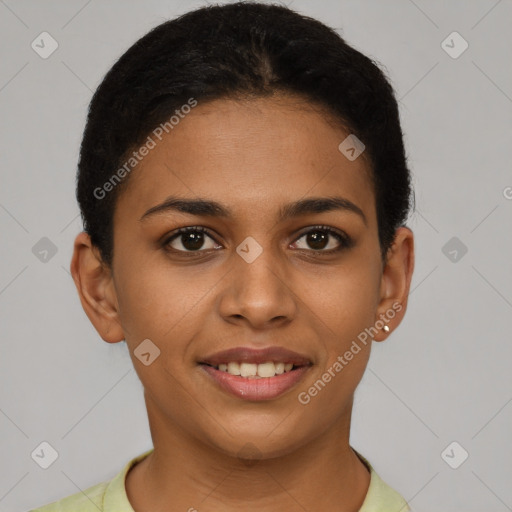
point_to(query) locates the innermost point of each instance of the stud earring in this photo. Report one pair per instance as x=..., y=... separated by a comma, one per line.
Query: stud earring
x=386, y=328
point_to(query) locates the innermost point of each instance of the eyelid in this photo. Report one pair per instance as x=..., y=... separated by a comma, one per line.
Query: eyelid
x=344, y=240
x=322, y=227
x=177, y=232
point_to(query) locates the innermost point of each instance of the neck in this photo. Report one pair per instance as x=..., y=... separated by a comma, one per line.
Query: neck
x=183, y=473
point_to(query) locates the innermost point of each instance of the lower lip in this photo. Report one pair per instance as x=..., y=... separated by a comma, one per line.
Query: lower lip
x=265, y=388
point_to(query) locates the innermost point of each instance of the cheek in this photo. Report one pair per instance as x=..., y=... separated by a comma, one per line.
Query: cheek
x=149, y=301
x=347, y=299
x=345, y=314
x=345, y=309
x=148, y=288
x=163, y=304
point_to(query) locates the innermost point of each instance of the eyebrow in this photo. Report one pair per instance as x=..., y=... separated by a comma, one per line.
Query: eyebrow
x=206, y=207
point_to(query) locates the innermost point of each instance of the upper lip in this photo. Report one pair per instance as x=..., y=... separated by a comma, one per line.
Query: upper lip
x=257, y=356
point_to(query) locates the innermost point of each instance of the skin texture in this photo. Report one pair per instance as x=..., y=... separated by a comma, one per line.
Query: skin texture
x=252, y=156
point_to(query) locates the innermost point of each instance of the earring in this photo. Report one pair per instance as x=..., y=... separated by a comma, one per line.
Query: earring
x=386, y=328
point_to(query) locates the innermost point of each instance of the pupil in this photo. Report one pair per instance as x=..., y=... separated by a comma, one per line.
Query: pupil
x=317, y=239
x=196, y=240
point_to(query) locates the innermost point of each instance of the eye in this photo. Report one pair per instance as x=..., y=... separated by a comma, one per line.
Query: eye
x=318, y=240
x=191, y=239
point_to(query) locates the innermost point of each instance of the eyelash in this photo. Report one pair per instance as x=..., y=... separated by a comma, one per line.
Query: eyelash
x=344, y=240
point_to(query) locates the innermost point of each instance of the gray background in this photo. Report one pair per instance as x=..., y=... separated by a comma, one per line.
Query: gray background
x=443, y=376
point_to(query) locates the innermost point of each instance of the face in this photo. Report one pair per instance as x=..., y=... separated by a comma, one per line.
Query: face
x=246, y=275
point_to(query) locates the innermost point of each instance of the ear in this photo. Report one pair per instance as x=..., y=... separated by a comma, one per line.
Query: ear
x=395, y=283
x=95, y=285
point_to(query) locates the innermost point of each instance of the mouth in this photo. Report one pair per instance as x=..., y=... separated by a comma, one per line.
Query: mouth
x=251, y=374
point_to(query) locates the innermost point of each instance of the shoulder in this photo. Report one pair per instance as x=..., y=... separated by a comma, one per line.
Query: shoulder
x=90, y=500
x=109, y=496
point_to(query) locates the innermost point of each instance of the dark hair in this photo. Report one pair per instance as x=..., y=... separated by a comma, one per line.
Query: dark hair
x=238, y=50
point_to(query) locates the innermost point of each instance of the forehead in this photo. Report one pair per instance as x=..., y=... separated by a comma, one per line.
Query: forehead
x=249, y=153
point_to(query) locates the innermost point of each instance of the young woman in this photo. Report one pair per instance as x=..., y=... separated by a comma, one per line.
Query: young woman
x=244, y=190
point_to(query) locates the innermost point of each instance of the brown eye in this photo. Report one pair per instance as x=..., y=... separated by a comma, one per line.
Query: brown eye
x=191, y=239
x=321, y=239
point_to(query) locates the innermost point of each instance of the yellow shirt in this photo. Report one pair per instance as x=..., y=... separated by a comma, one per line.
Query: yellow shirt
x=111, y=496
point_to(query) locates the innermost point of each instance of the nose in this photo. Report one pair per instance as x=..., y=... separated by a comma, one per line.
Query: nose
x=259, y=293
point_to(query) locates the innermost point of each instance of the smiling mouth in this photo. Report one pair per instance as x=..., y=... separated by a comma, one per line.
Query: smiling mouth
x=256, y=381
x=255, y=371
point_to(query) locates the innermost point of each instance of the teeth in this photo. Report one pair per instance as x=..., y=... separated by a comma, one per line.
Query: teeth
x=266, y=369
x=233, y=368
x=248, y=370
x=256, y=371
